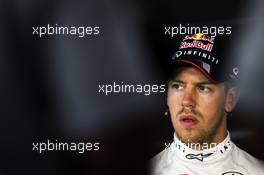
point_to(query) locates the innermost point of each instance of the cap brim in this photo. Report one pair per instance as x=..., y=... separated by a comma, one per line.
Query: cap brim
x=196, y=65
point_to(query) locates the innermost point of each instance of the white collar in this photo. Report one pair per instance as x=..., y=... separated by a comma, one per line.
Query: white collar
x=212, y=153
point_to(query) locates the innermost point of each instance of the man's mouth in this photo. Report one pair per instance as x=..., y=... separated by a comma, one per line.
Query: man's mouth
x=188, y=120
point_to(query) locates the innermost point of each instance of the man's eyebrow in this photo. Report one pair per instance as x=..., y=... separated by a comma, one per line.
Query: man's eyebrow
x=205, y=83
x=177, y=81
x=199, y=83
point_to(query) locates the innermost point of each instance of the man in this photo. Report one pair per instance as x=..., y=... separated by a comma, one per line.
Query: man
x=201, y=94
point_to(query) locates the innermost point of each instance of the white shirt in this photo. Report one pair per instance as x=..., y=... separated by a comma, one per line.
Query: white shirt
x=224, y=159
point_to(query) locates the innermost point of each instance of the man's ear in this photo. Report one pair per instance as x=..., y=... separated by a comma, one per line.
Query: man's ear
x=168, y=91
x=232, y=97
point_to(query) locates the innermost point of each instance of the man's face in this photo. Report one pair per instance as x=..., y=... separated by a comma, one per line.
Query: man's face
x=197, y=107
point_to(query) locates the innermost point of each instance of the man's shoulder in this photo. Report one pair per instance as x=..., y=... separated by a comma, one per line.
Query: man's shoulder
x=160, y=157
x=250, y=162
x=160, y=160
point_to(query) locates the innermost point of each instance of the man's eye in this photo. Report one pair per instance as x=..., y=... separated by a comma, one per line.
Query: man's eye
x=177, y=86
x=204, y=88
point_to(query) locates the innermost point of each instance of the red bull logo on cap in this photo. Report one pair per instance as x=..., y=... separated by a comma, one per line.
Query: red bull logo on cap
x=198, y=42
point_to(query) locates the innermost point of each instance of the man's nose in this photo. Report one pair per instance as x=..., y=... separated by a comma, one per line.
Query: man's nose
x=189, y=98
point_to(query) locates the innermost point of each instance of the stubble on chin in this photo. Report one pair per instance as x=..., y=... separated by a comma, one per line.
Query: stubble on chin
x=191, y=135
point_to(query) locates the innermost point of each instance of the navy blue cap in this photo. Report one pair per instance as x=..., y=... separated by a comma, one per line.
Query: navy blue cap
x=209, y=55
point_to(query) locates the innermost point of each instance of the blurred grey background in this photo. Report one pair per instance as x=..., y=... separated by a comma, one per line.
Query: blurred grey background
x=49, y=85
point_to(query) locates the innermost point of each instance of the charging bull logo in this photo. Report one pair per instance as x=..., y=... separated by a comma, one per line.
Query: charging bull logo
x=200, y=37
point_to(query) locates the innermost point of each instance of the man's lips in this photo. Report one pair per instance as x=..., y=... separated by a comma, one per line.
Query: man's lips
x=188, y=120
